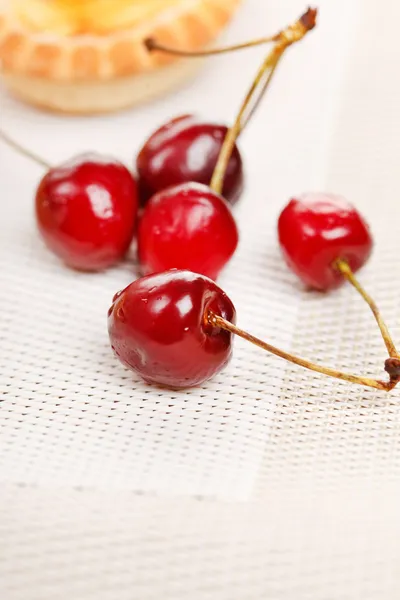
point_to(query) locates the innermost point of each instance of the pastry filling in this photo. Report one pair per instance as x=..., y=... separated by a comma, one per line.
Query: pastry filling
x=79, y=17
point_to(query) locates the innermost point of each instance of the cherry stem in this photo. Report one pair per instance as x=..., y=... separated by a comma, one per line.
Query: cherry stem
x=153, y=46
x=217, y=321
x=266, y=79
x=344, y=267
x=24, y=151
x=294, y=33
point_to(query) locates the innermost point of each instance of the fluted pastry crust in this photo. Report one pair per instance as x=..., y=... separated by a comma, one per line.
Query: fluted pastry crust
x=189, y=25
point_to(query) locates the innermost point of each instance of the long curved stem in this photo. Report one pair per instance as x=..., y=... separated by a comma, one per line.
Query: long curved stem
x=263, y=89
x=286, y=38
x=266, y=70
x=24, y=151
x=344, y=267
x=218, y=321
x=154, y=46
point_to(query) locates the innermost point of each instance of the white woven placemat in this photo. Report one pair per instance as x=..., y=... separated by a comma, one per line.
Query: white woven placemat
x=268, y=482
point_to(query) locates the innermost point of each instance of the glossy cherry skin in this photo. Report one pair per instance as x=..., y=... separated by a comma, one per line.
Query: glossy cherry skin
x=86, y=211
x=315, y=230
x=186, y=149
x=158, y=327
x=187, y=227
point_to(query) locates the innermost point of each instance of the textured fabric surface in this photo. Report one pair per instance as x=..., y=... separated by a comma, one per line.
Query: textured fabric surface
x=269, y=481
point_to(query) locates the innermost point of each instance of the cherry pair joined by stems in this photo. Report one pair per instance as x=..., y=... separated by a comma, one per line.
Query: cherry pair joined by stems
x=186, y=149
x=175, y=328
x=189, y=226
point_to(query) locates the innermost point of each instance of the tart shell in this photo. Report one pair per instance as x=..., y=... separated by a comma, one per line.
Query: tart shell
x=85, y=73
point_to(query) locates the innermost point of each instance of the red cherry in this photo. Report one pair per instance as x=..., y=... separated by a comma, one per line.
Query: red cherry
x=186, y=149
x=187, y=227
x=315, y=230
x=86, y=211
x=158, y=327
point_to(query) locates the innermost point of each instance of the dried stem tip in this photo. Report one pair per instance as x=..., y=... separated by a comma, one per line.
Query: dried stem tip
x=286, y=38
x=309, y=19
x=392, y=367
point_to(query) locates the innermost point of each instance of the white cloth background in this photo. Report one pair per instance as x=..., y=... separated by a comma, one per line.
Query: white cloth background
x=268, y=482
